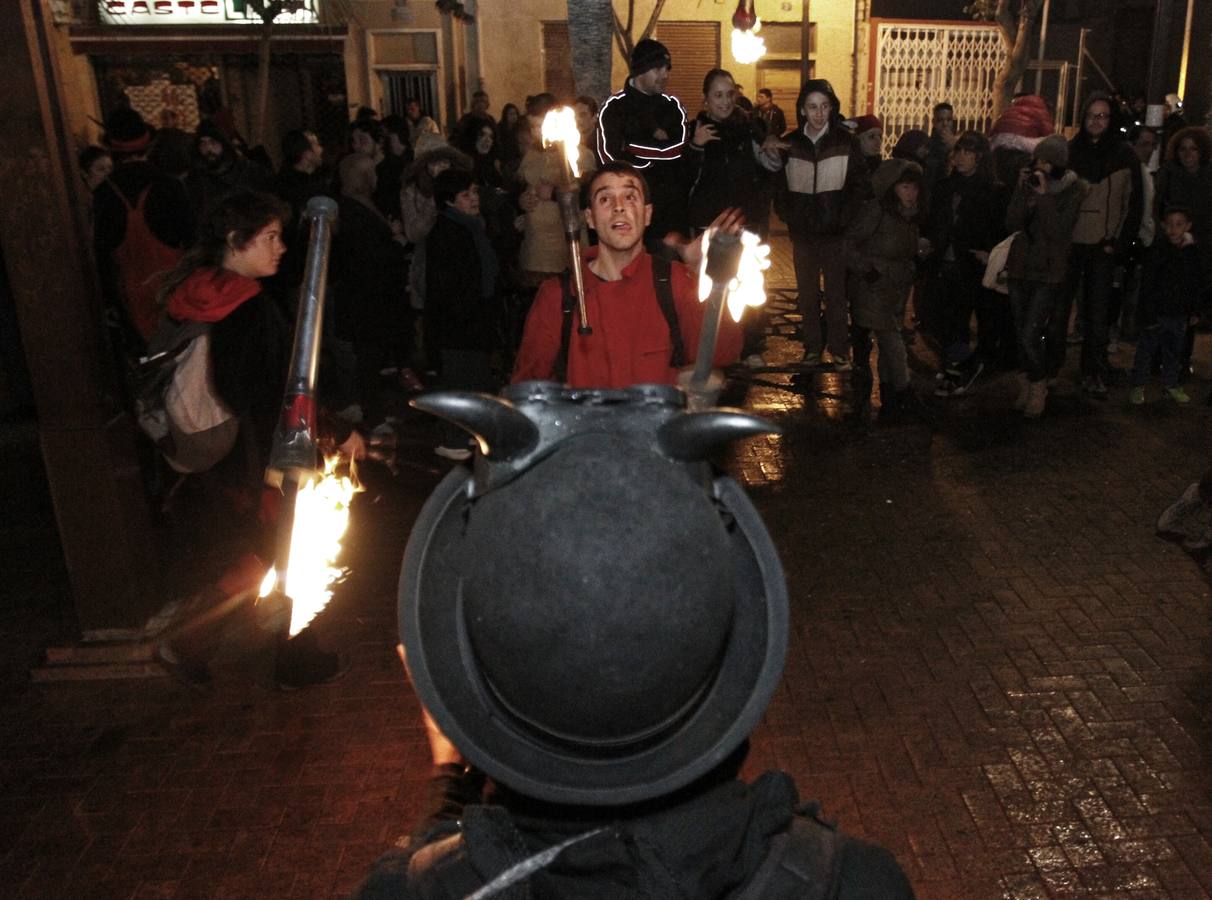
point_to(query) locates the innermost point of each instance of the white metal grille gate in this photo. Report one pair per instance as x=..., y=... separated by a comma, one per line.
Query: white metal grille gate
x=914, y=65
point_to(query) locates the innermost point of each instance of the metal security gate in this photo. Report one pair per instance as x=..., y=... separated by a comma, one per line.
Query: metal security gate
x=400, y=87
x=914, y=65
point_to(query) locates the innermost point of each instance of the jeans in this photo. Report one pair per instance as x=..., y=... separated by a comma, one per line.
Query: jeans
x=953, y=297
x=1091, y=268
x=1032, y=303
x=1168, y=335
x=814, y=257
x=893, y=360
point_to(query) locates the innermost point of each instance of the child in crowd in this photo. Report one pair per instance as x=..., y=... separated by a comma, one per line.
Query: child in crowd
x=1169, y=304
x=884, y=245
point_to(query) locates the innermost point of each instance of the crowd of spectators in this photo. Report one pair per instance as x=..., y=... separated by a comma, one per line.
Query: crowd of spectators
x=444, y=241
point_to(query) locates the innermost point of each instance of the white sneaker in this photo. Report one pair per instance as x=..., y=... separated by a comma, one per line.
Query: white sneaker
x=458, y=454
x=755, y=361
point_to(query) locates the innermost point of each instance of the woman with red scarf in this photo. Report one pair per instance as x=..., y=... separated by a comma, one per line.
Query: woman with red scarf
x=217, y=283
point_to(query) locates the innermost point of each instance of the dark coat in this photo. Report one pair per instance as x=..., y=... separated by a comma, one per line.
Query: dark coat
x=707, y=845
x=724, y=173
x=966, y=213
x=457, y=314
x=824, y=184
x=628, y=125
x=1174, y=280
x=882, y=249
x=1041, y=252
x=369, y=274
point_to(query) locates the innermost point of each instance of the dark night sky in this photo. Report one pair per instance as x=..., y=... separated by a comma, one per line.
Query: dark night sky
x=918, y=9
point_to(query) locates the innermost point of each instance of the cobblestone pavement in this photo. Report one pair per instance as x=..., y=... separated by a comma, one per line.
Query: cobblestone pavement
x=996, y=670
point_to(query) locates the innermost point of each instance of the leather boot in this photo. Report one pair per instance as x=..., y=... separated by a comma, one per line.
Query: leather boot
x=1024, y=389
x=1037, y=396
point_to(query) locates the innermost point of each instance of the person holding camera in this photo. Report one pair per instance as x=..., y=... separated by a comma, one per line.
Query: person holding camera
x=1043, y=209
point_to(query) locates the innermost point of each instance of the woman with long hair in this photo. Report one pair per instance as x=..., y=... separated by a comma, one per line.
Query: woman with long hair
x=216, y=288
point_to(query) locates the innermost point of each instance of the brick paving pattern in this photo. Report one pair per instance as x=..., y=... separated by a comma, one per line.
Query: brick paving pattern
x=996, y=670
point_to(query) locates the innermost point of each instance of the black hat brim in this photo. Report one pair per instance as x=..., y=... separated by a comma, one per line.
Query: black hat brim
x=443, y=669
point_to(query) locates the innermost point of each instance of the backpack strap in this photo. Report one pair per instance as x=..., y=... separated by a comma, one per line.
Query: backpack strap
x=567, y=304
x=663, y=285
x=803, y=863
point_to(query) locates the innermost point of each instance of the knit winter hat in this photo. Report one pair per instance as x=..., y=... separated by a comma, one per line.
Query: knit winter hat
x=867, y=123
x=1053, y=149
x=126, y=132
x=649, y=54
x=1023, y=124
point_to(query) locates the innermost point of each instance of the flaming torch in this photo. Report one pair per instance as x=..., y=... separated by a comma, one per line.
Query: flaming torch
x=731, y=270
x=747, y=47
x=560, y=127
x=315, y=508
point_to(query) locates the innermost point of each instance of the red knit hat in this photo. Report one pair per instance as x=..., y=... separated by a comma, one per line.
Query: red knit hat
x=1024, y=123
x=867, y=123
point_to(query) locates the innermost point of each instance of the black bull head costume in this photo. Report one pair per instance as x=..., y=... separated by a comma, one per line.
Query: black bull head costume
x=590, y=613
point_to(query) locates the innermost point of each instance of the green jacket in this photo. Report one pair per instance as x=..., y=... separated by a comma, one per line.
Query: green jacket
x=1045, y=224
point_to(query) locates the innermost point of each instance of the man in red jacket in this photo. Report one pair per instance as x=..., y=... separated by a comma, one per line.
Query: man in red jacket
x=639, y=337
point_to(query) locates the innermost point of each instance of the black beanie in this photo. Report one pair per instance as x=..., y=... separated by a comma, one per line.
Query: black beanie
x=649, y=54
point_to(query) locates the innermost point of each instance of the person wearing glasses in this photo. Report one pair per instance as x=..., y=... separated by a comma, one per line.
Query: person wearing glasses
x=1107, y=224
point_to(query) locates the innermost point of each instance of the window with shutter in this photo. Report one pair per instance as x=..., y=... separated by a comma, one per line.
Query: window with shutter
x=557, y=62
x=695, y=48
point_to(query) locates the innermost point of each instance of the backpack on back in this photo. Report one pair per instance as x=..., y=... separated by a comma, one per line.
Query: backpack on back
x=176, y=404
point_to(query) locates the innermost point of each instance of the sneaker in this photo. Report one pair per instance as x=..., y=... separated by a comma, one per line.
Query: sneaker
x=810, y=358
x=755, y=361
x=1136, y=396
x=195, y=676
x=410, y=382
x=1178, y=395
x=1093, y=385
x=945, y=388
x=458, y=454
x=841, y=363
x=968, y=380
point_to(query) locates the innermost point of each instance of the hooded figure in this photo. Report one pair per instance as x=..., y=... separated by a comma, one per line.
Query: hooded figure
x=824, y=184
x=219, y=170
x=1106, y=227
x=883, y=249
x=602, y=668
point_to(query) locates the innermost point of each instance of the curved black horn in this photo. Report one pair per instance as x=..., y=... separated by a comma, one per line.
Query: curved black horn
x=692, y=436
x=502, y=431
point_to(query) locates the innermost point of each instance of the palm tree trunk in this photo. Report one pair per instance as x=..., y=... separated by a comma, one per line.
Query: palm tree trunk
x=590, y=30
x=1016, y=37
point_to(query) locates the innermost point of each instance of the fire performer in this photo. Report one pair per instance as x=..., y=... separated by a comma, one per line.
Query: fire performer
x=645, y=312
x=597, y=623
x=217, y=285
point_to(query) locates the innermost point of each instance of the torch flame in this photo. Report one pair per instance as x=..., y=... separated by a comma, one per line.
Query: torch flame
x=321, y=517
x=560, y=127
x=747, y=47
x=749, y=286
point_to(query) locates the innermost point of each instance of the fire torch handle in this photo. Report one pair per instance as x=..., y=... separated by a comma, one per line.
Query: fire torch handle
x=305, y=358
x=723, y=260
x=572, y=229
x=294, y=442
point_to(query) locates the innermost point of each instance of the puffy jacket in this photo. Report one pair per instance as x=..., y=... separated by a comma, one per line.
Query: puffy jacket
x=882, y=245
x=1041, y=251
x=823, y=185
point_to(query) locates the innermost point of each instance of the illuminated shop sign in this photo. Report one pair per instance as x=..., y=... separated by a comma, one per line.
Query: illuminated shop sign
x=199, y=12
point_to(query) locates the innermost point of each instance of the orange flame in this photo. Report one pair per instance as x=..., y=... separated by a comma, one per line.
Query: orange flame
x=560, y=127
x=749, y=286
x=321, y=517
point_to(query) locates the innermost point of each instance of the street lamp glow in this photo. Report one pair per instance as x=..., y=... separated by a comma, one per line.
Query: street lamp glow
x=747, y=46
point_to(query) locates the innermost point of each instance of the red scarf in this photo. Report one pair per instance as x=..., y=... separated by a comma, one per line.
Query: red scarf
x=209, y=295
